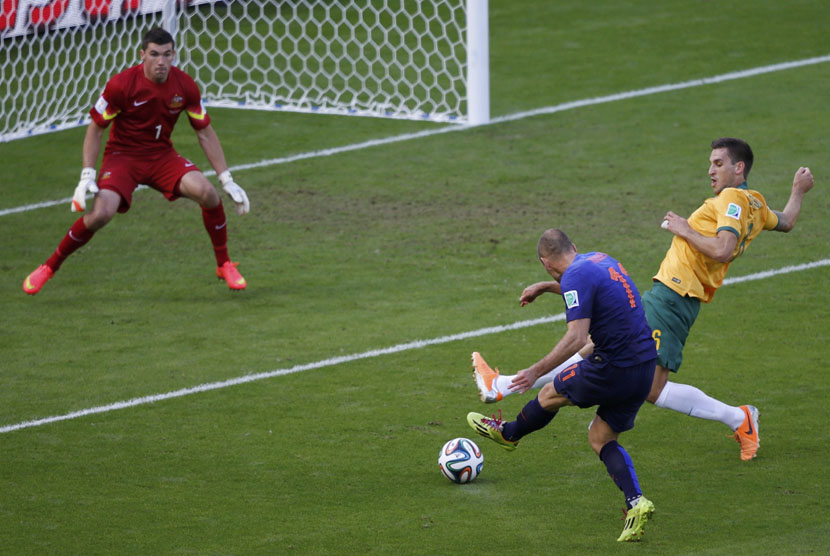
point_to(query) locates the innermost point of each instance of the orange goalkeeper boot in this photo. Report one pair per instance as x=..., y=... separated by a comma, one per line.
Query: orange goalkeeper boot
x=230, y=274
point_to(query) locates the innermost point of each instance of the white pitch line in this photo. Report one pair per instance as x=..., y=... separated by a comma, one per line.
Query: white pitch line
x=334, y=361
x=665, y=88
x=509, y=118
x=768, y=273
x=417, y=344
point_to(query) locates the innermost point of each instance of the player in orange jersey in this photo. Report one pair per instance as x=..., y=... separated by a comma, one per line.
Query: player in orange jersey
x=143, y=104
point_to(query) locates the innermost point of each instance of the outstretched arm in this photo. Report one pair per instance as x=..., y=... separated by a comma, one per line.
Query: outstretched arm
x=92, y=145
x=574, y=339
x=802, y=183
x=535, y=290
x=209, y=142
x=91, y=148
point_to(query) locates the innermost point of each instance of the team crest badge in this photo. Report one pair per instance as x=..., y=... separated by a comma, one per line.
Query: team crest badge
x=571, y=299
x=733, y=211
x=177, y=102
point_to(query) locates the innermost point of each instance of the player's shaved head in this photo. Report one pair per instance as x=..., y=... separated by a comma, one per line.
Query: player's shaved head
x=553, y=244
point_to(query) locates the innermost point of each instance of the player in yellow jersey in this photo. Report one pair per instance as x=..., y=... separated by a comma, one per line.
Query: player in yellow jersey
x=694, y=268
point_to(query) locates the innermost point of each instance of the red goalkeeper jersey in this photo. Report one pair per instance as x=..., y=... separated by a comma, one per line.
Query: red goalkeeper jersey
x=144, y=112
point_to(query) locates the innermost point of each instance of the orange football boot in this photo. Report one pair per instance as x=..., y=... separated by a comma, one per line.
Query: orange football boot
x=485, y=378
x=747, y=433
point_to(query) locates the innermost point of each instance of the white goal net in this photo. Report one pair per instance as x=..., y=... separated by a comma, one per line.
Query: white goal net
x=413, y=59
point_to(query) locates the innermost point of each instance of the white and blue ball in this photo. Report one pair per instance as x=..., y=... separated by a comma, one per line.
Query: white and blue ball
x=460, y=460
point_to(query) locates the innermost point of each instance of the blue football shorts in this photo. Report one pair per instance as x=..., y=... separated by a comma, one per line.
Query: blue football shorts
x=618, y=391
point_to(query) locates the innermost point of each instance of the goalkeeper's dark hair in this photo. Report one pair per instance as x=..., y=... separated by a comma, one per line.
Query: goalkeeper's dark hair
x=738, y=150
x=157, y=35
x=554, y=243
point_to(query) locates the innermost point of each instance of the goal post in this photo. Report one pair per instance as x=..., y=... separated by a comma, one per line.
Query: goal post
x=478, y=62
x=407, y=59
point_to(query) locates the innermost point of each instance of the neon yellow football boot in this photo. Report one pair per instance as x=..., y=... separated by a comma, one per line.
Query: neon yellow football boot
x=635, y=520
x=491, y=427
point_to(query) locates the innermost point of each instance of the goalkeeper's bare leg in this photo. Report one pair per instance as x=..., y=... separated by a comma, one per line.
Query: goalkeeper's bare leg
x=105, y=206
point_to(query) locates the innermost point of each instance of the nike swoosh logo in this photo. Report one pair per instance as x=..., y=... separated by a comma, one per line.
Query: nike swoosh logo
x=188, y=164
x=749, y=428
x=136, y=103
x=222, y=226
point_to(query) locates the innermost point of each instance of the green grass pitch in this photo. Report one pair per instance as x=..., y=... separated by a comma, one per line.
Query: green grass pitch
x=418, y=240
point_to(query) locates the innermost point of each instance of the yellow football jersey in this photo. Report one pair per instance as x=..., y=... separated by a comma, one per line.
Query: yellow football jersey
x=740, y=210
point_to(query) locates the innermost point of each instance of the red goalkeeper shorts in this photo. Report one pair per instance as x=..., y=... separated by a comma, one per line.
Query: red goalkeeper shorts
x=163, y=172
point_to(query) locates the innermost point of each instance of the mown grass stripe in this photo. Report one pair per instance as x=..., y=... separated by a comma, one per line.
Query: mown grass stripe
x=752, y=72
x=334, y=361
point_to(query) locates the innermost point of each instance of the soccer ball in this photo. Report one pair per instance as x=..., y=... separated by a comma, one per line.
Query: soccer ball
x=460, y=460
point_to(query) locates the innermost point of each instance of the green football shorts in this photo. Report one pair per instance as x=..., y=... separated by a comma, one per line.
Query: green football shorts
x=671, y=317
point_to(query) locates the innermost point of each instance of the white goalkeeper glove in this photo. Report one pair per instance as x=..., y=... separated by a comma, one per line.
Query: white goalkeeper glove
x=86, y=185
x=236, y=193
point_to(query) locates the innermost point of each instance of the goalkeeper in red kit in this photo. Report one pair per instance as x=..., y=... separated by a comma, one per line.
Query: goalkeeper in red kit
x=143, y=104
